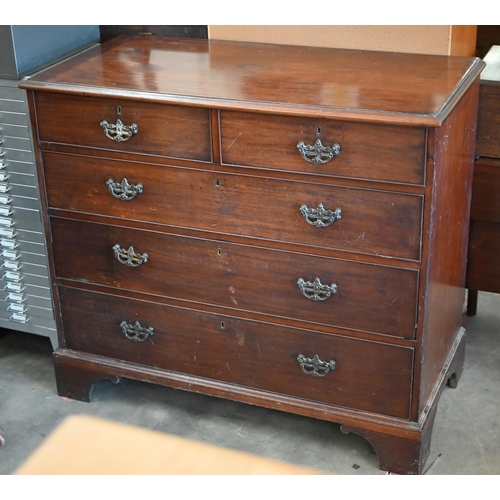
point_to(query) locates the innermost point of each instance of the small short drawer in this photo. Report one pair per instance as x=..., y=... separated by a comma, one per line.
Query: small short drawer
x=360, y=150
x=486, y=190
x=355, y=220
x=150, y=128
x=364, y=375
x=319, y=290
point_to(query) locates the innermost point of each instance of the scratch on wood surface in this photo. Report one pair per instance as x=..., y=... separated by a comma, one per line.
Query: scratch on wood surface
x=258, y=348
x=233, y=141
x=233, y=300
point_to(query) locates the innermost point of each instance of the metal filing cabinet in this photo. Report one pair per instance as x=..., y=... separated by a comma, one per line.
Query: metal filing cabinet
x=25, y=294
x=25, y=297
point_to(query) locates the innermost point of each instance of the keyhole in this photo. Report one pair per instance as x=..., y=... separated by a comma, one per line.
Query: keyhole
x=219, y=251
x=217, y=182
x=222, y=325
x=119, y=110
x=318, y=130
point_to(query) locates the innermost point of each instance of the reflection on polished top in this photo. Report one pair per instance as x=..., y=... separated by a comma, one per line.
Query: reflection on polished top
x=350, y=84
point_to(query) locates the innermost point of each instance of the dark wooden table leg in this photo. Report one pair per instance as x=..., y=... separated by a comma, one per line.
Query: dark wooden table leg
x=472, y=302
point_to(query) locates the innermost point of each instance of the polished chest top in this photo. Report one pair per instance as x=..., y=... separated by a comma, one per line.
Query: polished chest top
x=376, y=86
x=260, y=222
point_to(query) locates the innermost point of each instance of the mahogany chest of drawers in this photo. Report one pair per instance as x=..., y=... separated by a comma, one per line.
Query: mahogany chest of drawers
x=282, y=226
x=483, y=265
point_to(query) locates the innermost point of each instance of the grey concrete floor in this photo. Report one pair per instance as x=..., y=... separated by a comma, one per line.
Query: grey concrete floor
x=466, y=435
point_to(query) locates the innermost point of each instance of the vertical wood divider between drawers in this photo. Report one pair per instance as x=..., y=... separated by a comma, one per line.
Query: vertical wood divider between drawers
x=215, y=134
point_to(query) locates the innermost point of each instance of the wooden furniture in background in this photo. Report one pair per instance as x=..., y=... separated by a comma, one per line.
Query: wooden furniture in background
x=463, y=40
x=486, y=37
x=282, y=226
x=108, y=32
x=483, y=266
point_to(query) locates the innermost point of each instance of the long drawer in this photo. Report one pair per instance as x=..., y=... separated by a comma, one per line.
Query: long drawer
x=365, y=375
x=353, y=295
x=366, y=151
x=174, y=131
x=371, y=222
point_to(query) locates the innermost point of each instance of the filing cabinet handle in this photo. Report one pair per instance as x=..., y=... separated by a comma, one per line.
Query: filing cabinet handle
x=318, y=153
x=315, y=290
x=136, y=332
x=128, y=257
x=314, y=366
x=320, y=217
x=119, y=132
x=124, y=190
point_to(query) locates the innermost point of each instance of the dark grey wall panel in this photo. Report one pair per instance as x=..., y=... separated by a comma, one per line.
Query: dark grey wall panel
x=25, y=49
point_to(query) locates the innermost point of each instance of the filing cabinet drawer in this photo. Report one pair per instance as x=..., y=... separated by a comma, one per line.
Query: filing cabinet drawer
x=366, y=375
x=164, y=130
x=366, y=151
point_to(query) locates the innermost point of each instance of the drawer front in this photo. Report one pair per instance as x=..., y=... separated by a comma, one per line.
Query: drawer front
x=367, y=375
x=368, y=297
x=371, y=222
x=175, y=131
x=483, y=264
x=367, y=151
x=486, y=190
x=488, y=122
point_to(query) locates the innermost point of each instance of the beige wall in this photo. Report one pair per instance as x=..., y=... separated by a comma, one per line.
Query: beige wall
x=442, y=40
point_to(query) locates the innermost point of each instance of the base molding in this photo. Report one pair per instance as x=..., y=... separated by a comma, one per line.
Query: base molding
x=407, y=452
